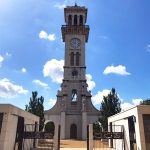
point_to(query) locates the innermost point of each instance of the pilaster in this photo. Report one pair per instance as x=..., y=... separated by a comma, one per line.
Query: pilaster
x=72, y=19
x=84, y=125
x=90, y=136
x=63, y=121
x=78, y=20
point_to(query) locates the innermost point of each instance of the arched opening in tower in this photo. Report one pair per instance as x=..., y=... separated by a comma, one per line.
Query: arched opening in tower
x=72, y=59
x=81, y=20
x=74, y=95
x=77, y=58
x=70, y=20
x=75, y=20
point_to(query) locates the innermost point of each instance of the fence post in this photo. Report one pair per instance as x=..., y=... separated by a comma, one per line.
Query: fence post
x=90, y=136
x=56, y=137
x=111, y=140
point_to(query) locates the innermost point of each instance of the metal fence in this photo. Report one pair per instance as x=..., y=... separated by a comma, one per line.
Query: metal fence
x=35, y=139
x=103, y=140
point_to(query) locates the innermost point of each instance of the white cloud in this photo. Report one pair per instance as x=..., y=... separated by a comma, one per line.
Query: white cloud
x=54, y=69
x=60, y=6
x=97, y=99
x=126, y=106
x=121, y=70
x=148, y=48
x=23, y=70
x=135, y=102
x=91, y=84
x=1, y=59
x=45, y=85
x=44, y=35
x=103, y=37
x=8, y=54
x=52, y=102
x=9, y=90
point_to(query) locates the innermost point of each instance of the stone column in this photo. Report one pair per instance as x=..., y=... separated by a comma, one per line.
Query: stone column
x=63, y=121
x=84, y=125
x=90, y=136
x=63, y=118
x=84, y=120
x=78, y=19
x=56, y=137
x=83, y=19
x=72, y=19
x=67, y=20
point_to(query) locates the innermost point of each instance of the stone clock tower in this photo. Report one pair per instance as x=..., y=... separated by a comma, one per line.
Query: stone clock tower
x=73, y=109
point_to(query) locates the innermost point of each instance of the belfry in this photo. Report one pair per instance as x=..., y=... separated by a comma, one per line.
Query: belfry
x=73, y=109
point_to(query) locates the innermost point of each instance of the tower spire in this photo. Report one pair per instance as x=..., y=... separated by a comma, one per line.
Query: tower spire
x=75, y=2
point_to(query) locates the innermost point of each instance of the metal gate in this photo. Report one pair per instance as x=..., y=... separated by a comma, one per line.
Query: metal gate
x=35, y=139
x=112, y=138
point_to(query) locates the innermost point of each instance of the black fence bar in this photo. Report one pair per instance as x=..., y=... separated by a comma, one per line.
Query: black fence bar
x=108, y=135
x=88, y=137
x=38, y=135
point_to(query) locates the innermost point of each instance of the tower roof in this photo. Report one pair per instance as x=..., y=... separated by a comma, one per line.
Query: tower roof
x=75, y=9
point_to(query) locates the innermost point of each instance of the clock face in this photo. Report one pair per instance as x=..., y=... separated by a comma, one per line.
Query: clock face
x=75, y=42
x=74, y=73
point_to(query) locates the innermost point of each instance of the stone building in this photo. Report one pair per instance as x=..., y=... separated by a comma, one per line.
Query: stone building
x=136, y=124
x=12, y=121
x=73, y=109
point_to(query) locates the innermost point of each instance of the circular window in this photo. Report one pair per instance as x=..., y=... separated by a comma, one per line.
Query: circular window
x=74, y=73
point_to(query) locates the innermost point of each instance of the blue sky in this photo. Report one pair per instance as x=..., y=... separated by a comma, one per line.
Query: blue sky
x=32, y=52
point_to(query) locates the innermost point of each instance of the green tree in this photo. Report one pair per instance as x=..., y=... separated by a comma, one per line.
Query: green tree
x=97, y=127
x=50, y=127
x=36, y=107
x=109, y=106
x=145, y=102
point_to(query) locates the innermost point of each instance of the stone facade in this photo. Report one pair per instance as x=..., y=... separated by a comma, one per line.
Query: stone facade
x=73, y=109
x=138, y=136
x=10, y=128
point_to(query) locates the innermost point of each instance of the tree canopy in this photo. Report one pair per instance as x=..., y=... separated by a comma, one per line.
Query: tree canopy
x=36, y=107
x=109, y=106
x=145, y=102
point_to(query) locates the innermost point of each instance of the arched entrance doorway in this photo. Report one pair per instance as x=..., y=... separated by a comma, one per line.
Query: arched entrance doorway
x=50, y=127
x=73, y=131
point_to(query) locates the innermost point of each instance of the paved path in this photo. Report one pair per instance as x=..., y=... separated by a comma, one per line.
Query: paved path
x=71, y=144
x=86, y=149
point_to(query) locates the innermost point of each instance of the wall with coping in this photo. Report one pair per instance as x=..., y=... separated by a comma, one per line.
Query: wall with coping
x=122, y=119
x=9, y=124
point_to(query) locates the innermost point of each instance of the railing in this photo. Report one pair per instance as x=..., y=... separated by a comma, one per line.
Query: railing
x=33, y=138
x=105, y=139
x=75, y=26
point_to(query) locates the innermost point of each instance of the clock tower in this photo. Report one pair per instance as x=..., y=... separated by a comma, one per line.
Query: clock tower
x=73, y=109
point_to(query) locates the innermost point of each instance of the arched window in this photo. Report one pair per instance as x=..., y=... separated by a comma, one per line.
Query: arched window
x=77, y=58
x=70, y=20
x=72, y=59
x=74, y=95
x=75, y=20
x=81, y=20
